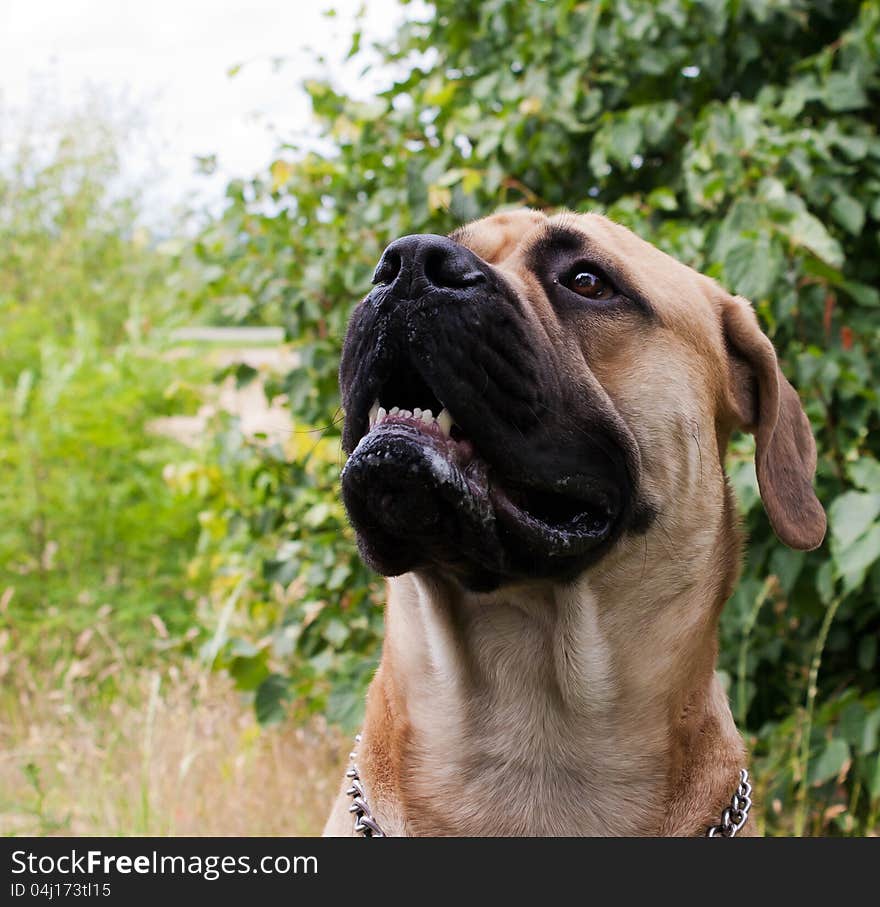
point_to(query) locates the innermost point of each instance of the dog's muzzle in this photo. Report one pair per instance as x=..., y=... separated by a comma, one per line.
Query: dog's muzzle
x=468, y=453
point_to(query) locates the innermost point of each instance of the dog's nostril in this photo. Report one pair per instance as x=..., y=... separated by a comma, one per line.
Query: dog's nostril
x=444, y=268
x=388, y=267
x=414, y=264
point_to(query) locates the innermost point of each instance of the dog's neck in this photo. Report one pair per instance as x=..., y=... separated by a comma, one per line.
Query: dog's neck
x=586, y=708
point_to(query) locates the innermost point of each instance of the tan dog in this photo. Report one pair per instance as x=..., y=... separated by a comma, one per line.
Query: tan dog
x=558, y=525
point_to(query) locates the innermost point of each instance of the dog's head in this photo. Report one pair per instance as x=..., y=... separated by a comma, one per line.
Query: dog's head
x=525, y=394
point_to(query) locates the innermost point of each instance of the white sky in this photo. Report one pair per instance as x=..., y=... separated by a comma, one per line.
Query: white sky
x=170, y=58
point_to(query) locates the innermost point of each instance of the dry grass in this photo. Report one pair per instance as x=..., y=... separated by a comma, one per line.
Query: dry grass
x=177, y=753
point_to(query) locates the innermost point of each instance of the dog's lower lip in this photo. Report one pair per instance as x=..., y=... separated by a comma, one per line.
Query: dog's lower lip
x=589, y=524
x=460, y=451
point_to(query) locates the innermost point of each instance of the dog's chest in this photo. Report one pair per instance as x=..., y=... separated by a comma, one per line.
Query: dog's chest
x=536, y=778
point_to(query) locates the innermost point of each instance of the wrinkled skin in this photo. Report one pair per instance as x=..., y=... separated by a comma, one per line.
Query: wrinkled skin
x=541, y=474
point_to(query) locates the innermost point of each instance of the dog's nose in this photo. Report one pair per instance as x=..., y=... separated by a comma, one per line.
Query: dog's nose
x=426, y=261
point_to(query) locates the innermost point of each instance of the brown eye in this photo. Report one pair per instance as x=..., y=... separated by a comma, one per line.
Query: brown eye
x=589, y=284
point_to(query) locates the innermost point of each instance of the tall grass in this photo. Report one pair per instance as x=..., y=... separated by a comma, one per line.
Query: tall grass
x=176, y=752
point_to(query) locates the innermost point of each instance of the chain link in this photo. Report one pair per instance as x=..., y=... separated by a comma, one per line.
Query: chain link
x=734, y=816
x=364, y=823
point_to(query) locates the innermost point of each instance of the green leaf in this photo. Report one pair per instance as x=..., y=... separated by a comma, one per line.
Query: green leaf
x=273, y=696
x=825, y=582
x=830, y=761
x=248, y=673
x=870, y=733
x=658, y=119
x=744, y=480
x=851, y=725
x=624, y=141
x=283, y=572
x=862, y=293
x=797, y=94
x=865, y=473
x=872, y=776
x=335, y=632
x=316, y=516
x=843, y=91
x=848, y=213
x=851, y=514
x=244, y=374
x=345, y=707
x=808, y=231
x=340, y=573
x=854, y=561
x=786, y=564
x=751, y=267
x=663, y=200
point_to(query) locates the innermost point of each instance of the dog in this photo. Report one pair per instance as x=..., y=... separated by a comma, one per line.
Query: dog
x=537, y=410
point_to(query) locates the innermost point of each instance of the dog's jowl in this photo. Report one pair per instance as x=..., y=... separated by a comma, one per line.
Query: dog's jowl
x=537, y=412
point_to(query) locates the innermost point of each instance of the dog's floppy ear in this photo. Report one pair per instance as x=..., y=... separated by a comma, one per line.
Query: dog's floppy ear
x=769, y=407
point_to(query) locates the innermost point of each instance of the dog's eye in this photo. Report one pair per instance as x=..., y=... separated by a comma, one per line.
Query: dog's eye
x=589, y=283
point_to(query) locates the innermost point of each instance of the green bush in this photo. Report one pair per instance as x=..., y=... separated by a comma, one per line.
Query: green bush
x=94, y=543
x=739, y=136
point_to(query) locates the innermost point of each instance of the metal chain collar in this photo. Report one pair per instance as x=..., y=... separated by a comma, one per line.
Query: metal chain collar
x=364, y=823
x=732, y=819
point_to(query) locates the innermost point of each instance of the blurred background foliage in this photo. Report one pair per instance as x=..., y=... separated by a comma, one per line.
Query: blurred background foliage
x=740, y=136
x=86, y=520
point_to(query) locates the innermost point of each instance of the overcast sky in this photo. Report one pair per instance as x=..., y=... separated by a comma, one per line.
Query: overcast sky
x=171, y=58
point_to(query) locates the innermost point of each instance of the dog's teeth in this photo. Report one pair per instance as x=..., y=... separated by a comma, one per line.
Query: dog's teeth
x=405, y=414
x=374, y=412
x=380, y=415
x=417, y=413
x=394, y=411
x=427, y=416
x=444, y=420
